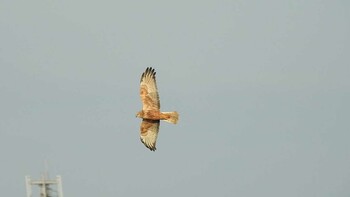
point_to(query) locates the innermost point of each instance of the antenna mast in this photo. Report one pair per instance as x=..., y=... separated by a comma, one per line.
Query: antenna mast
x=45, y=185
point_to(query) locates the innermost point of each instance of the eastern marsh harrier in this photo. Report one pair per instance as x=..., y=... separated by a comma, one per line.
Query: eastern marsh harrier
x=150, y=113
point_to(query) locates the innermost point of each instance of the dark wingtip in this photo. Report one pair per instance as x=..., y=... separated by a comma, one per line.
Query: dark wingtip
x=152, y=148
x=149, y=71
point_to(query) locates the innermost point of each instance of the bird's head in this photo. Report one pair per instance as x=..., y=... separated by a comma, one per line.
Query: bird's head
x=139, y=114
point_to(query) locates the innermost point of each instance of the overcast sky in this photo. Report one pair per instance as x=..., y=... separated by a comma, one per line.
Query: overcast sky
x=262, y=88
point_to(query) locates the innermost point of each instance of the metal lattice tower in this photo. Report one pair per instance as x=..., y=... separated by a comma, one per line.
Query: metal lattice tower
x=48, y=187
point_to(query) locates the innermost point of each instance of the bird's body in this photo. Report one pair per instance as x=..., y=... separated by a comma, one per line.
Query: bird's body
x=150, y=113
x=157, y=115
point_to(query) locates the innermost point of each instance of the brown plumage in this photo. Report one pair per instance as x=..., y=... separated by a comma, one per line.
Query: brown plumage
x=150, y=113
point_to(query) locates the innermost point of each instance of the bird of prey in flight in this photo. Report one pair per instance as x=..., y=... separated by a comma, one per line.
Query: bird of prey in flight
x=150, y=113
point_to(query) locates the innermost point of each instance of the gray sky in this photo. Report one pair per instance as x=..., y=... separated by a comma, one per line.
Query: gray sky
x=262, y=88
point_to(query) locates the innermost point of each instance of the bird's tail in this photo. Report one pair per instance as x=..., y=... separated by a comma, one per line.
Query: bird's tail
x=171, y=117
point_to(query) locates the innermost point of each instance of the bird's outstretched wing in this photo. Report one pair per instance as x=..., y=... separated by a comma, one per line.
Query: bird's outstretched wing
x=148, y=90
x=149, y=133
